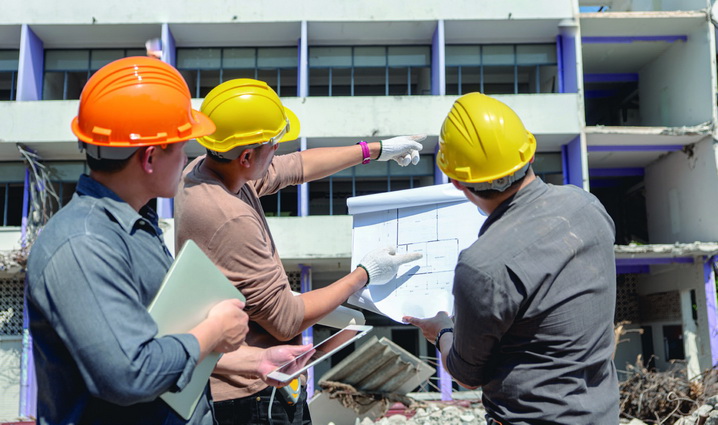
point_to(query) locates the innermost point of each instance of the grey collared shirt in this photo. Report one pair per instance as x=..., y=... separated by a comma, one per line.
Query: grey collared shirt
x=534, y=305
x=91, y=274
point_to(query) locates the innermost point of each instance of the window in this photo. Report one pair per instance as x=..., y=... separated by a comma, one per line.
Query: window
x=205, y=68
x=370, y=71
x=328, y=196
x=501, y=69
x=282, y=204
x=67, y=71
x=64, y=176
x=8, y=74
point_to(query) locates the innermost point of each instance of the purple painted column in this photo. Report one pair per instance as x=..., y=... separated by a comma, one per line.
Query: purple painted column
x=165, y=206
x=444, y=379
x=305, y=280
x=711, y=310
x=303, y=63
x=439, y=176
x=30, y=66
x=567, y=61
x=571, y=160
x=438, y=70
x=303, y=192
x=28, y=382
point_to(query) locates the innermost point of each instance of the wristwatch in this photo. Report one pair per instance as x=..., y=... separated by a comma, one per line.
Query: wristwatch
x=441, y=333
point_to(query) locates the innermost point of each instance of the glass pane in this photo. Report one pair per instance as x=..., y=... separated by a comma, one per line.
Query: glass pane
x=319, y=82
x=499, y=80
x=536, y=54
x=398, y=81
x=277, y=58
x=372, y=169
x=9, y=60
x=409, y=56
x=548, y=163
x=463, y=55
x=135, y=52
x=208, y=79
x=75, y=83
x=319, y=197
x=231, y=74
x=198, y=58
x=13, y=208
x=269, y=76
x=66, y=171
x=191, y=78
x=425, y=167
x=526, y=76
x=498, y=55
x=66, y=60
x=330, y=56
x=239, y=58
x=53, y=85
x=8, y=85
x=287, y=86
x=369, y=81
x=100, y=58
x=370, y=56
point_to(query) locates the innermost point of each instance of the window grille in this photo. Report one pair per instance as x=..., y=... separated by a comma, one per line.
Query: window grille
x=11, y=304
x=295, y=281
x=67, y=71
x=501, y=69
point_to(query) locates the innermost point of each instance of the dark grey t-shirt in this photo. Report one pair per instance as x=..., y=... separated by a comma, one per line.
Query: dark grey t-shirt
x=534, y=307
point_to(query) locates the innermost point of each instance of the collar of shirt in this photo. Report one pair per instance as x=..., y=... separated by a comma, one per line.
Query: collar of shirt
x=120, y=210
x=526, y=194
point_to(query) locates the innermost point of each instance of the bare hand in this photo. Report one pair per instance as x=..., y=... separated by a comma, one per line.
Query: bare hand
x=233, y=322
x=275, y=357
x=430, y=327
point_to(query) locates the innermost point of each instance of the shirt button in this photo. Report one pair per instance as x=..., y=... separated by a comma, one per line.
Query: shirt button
x=259, y=398
x=141, y=222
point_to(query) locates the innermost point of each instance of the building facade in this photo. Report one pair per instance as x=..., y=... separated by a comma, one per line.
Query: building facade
x=621, y=96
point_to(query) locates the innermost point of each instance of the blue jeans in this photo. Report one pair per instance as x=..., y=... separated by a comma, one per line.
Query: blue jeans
x=253, y=410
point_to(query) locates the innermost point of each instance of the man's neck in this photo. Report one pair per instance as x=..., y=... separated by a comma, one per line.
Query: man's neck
x=124, y=184
x=227, y=173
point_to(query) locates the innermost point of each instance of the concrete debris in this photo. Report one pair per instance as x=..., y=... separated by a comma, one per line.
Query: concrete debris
x=436, y=415
x=666, y=250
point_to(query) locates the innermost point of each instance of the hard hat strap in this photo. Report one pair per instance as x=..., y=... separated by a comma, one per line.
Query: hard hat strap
x=500, y=184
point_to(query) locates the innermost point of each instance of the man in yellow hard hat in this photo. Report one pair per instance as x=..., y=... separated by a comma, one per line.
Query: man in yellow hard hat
x=535, y=294
x=218, y=207
x=100, y=260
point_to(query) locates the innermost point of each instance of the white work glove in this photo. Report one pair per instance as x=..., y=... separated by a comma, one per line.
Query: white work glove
x=382, y=264
x=402, y=149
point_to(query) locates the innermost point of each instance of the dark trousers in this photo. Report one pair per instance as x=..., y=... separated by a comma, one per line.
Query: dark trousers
x=253, y=410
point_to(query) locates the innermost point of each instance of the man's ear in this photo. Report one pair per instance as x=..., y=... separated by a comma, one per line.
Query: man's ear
x=246, y=158
x=146, y=159
x=458, y=185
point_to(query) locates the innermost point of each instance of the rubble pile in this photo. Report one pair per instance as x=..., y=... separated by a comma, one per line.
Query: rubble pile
x=435, y=414
x=670, y=398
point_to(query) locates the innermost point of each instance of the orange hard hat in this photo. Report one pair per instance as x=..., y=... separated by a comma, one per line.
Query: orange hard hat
x=138, y=101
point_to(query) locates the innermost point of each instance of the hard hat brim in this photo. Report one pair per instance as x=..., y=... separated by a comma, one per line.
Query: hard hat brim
x=294, y=126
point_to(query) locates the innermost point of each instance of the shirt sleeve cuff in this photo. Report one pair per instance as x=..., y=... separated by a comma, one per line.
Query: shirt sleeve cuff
x=462, y=371
x=191, y=347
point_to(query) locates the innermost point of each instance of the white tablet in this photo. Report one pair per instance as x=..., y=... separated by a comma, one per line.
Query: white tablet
x=319, y=352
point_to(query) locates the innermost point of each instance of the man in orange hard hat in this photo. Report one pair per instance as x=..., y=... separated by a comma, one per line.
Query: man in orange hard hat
x=100, y=260
x=535, y=294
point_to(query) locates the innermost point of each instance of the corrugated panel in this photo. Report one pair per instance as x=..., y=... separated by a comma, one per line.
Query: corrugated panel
x=380, y=366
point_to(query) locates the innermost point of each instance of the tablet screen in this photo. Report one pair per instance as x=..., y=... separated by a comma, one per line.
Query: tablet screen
x=319, y=352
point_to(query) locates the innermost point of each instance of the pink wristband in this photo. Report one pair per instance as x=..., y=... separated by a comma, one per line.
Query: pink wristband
x=365, y=152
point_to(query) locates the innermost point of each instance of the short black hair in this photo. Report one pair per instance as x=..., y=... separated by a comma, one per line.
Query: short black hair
x=213, y=155
x=107, y=165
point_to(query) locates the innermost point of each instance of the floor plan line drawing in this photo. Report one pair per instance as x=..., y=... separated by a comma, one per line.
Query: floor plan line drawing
x=436, y=221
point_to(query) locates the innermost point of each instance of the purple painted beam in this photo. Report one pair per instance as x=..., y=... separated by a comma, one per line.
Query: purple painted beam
x=632, y=39
x=635, y=148
x=568, y=74
x=571, y=161
x=28, y=381
x=617, y=172
x=649, y=261
x=169, y=51
x=610, y=78
x=633, y=269
x=438, y=73
x=711, y=310
x=445, y=383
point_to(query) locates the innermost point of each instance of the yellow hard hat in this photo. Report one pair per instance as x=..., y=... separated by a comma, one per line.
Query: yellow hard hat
x=246, y=112
x=483, y=140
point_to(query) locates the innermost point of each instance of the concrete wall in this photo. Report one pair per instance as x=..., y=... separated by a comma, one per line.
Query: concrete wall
x=138, y=11
x=668, y=5
x=672, y=88
x=682, y=278
x=682, y=197
x=10, y=360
